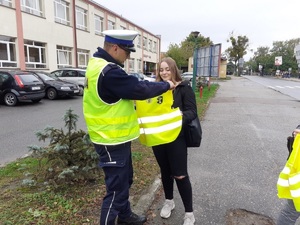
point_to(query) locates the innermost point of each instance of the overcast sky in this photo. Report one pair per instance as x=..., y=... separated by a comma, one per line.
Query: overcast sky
x=262, y=21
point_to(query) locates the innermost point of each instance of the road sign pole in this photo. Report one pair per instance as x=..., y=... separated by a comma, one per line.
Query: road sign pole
x=194, y=69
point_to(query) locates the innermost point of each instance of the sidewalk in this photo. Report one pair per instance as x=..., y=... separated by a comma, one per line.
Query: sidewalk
x=237, y=165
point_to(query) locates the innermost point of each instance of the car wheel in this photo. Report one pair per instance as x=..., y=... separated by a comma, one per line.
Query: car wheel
x=36, y=100
x=80, y=91
x=10, y=99
x=51, y=93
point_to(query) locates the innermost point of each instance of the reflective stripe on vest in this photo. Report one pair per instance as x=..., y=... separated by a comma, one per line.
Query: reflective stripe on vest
x=159, y=122
x=288, y=184
x=107, y=124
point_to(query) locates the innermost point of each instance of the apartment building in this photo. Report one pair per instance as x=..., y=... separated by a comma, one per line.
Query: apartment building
x=51, y=34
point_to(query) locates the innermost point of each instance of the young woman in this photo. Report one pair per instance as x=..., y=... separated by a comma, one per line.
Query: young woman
x=172, y=157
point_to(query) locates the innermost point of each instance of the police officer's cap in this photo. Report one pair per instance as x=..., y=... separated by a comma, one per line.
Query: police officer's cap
x=123, y=38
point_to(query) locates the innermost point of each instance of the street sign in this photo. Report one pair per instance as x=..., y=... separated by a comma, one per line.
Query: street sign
x=278, y=60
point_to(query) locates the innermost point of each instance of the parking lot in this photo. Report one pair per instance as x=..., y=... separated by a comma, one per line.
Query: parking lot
x=19, y=123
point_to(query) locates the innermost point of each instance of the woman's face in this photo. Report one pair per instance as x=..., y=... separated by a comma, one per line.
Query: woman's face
x=165, y=72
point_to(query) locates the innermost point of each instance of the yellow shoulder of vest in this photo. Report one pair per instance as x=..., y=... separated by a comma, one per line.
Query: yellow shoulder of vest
x=288, y=184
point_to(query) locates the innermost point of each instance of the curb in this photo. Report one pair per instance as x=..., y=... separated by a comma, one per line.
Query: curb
x=146, y=200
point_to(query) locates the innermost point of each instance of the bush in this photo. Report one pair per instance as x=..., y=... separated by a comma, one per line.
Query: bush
x=70, y=156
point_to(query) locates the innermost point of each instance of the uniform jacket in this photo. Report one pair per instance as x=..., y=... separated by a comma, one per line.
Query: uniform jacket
x=116, y=83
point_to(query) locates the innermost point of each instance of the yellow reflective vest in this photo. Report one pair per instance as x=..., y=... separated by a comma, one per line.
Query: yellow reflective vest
x=159, y=122
x=107, y=124
x=288, y=184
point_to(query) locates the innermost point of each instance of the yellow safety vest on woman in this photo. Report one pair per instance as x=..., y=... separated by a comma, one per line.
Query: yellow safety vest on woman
x=159, y=122
x=107, y=124
x=288, y=184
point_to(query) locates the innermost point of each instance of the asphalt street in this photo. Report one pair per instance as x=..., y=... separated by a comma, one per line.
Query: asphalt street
x=242, y=153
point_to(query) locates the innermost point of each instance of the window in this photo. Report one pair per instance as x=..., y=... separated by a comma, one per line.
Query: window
x=145, y=43
x=61, y=10
x=111, y=25
x=64, y=56
x=7, y=52
x=131, y=65
x=139, y=62
x=32, y=7
x=6, y=3
x=139, y=41
x=122, y=27
x=83, y=58
x=154, y=46
x=98, y=24
x=35, y=54
x=81, y=18
x=150, y=45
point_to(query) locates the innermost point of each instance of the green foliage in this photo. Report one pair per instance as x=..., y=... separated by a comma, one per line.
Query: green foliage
x=238, y=47
x=70, y=156
x=208, y=92
x=175, y=53
x=266, y=56
x=181, y=53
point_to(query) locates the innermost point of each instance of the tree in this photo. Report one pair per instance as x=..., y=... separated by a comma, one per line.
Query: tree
x=70, y=156
x=182, y=52
x=263, y=57
x=238, y=47
x=191, y=42
x=176, y=53
x=266, y=56
x=286, y=50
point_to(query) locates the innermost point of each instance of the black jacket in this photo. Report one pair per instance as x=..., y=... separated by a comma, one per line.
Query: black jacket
x=184, y=98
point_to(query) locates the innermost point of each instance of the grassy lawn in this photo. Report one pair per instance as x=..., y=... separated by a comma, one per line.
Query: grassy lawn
x=76, y=204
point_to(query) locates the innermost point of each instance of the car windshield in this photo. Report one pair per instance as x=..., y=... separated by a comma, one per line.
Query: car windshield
x=45, y=77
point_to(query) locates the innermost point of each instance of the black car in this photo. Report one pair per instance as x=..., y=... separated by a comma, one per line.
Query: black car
x=75, y=75
x=55, y=87
x=20, y=86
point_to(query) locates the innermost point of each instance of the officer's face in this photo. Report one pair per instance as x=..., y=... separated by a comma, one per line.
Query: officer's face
x=165, y=72
x=118, y=53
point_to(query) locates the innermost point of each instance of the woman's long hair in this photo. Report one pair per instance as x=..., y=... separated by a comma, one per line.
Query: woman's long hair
x=173, y=68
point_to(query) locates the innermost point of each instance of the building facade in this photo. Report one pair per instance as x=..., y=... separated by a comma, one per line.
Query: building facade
x=51, y=34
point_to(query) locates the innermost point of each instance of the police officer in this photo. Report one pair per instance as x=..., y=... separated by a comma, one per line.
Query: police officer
x=111, y=120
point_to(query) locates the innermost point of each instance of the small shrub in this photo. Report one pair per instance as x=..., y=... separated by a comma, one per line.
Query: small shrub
x=70, y=156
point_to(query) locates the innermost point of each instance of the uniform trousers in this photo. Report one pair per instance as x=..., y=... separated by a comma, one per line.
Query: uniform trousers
x=172, y=160
x=288, y=215
x=116, y=163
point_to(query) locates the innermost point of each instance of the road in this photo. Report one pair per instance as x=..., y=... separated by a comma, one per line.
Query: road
x=290, y=87
x=18, y=124
x=241, y=155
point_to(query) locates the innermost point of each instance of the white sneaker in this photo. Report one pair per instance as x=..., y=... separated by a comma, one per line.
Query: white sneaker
x=189, y=219
x=167, y=208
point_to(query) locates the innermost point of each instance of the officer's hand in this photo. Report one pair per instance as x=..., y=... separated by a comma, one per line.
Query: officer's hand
x=172, y=85
x=296, y=131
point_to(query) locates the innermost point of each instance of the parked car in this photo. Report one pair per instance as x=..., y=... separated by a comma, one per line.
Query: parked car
x=18, y=86
x=54, y=87
x=188, y=76
x=76, y=75
x=141, y=76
